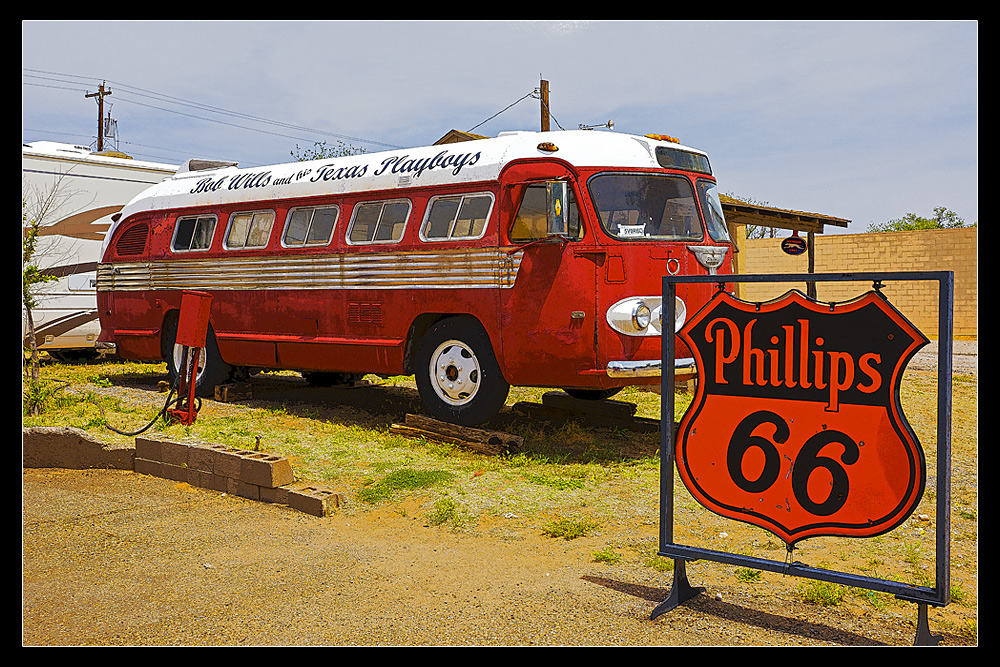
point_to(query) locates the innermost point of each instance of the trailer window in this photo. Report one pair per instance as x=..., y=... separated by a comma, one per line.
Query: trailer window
x=310, y=226
x=249, y=230
x=638, y=207
x=194, y=233
x=379, y=222
x=457, y=217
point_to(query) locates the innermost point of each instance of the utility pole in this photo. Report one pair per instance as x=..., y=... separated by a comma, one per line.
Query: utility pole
x=544, y=96
x=100, y=94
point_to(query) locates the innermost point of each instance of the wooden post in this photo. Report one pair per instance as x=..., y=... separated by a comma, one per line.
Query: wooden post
x=100, y=114
x=811, y=287
x=544, y=93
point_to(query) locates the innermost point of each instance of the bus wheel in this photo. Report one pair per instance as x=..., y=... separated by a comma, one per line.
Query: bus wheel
x=212, y=370
x=593, y=394
x=458, y=377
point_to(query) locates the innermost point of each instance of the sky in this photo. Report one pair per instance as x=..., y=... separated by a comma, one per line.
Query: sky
x=866, y=121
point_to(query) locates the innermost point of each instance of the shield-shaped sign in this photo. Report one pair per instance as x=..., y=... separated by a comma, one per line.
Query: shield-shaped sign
x=796, y=425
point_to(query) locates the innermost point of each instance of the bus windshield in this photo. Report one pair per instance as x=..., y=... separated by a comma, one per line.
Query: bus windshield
x=712, y=207
x=637, y=207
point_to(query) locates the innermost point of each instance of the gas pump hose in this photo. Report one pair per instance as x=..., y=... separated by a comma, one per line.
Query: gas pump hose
x=171, y=400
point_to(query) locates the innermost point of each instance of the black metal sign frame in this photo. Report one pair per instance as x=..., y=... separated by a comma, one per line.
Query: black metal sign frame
x=939, y=595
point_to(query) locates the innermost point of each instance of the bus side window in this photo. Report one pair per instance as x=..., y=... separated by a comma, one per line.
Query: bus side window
x=531, y=221
x=310, y=226
x=249, y=230
x=378, y=222
x=194, y=233
x=457, y=217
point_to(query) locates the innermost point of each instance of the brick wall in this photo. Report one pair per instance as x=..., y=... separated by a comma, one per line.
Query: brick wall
x=954, y=250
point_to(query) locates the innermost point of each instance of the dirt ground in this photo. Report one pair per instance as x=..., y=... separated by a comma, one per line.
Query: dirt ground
x=103, y=563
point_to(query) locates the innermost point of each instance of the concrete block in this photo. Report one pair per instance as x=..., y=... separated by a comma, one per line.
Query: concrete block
x=202, y=457
x=174, y=453
x=314, y=500
x=147, y=448
x=65, y=447
x=174, y=472
x=265, y=470
x=219, y=483
x=227, y=462
x=199, y=478
x=274, y=495
x=147, y=467
x=249, y=491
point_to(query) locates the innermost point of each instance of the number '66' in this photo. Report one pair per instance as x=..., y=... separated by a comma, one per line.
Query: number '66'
x=805, y=463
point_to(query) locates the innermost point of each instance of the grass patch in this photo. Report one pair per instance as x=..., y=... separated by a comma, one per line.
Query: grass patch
x=748, y=575
x=447, y=511
x=607, y=555
x=568, y=529
x=823, y=593
x=560, y=483
x=406, y=479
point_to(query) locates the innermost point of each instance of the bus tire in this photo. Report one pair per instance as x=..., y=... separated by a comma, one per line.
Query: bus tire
x=458, y=377
x=592, y=394
x=212, y=370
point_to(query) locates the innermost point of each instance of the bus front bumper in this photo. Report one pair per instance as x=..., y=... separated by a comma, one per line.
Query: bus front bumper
x=650, y=368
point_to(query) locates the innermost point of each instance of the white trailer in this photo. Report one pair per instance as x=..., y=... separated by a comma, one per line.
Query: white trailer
x=74, y=192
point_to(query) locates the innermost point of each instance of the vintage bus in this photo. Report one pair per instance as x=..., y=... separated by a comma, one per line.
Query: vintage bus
x=529, y=259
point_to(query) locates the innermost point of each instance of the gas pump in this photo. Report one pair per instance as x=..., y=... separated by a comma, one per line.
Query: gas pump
x=192, y=333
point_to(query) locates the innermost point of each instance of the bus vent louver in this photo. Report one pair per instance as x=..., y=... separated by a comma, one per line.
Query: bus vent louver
x=364, y=313
x=133, y=240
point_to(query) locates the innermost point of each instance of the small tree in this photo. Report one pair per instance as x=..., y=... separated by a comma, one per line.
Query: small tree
x=943, y=219
x=31, y=277
x=320, y=151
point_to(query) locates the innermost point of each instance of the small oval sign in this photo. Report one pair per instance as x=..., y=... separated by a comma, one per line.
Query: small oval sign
x=794, y=245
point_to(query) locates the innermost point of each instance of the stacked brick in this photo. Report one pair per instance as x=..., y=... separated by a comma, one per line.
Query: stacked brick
x=244, y=473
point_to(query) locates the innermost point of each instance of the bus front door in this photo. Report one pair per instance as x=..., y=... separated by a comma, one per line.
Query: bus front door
x=548, y=318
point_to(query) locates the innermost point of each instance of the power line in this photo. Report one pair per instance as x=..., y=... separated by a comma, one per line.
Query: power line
x=141, y=92
x=512, y=104
x=74, y=82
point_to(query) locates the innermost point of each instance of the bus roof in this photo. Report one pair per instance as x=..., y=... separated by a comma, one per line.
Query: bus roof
x=464, y=162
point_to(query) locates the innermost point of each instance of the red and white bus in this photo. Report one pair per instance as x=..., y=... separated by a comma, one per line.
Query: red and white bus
x=530, y=259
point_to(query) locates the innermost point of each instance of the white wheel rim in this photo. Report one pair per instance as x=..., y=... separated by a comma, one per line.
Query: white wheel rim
x=455, y=372
x=179, y=359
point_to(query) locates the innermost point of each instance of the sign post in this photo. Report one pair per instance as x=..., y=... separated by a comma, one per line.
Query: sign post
x=796, y=425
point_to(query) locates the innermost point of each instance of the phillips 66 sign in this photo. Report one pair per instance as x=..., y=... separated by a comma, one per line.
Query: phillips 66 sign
x=796, y=425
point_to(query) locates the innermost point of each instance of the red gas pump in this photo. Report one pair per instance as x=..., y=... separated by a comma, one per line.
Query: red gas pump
x=192, y=333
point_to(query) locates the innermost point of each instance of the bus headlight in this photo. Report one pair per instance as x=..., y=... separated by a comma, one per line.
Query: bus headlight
x=643, y=316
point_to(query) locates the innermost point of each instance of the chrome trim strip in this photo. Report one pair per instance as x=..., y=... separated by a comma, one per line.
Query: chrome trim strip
x=649, y=368
x=471, y=269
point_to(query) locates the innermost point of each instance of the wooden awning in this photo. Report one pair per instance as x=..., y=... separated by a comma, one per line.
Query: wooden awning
x=741, y=213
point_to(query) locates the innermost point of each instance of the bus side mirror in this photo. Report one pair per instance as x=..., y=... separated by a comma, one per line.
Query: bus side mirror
x=556, y=196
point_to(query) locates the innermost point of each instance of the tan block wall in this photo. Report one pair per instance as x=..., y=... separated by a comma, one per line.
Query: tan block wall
x=955, y=250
